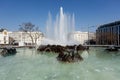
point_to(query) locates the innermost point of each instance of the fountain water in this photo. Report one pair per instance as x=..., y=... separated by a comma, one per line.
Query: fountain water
x=58, y=31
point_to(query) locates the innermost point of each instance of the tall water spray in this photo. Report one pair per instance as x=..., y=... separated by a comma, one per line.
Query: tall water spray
x=58, y=31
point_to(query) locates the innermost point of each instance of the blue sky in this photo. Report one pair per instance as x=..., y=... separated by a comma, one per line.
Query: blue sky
x=87, y=12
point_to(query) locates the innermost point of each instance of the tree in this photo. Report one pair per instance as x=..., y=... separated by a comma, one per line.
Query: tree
x=11, y=40
x=32, y=31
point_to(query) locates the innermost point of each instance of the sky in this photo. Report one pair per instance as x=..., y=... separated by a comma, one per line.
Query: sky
x=87, y=12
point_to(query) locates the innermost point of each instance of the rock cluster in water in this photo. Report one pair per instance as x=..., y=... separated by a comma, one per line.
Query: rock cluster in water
x=8, y=51
x=70, y=56
x=65, y=53
x=59, y=48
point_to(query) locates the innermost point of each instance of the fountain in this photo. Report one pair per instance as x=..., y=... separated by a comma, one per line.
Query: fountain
x=58, y=38
x=58, y=31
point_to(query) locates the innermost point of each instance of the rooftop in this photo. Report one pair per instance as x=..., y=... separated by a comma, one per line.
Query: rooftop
x=110, y=24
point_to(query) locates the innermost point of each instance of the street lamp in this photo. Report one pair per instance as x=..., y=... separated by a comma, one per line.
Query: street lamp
x=118, y=35
x=88, y=33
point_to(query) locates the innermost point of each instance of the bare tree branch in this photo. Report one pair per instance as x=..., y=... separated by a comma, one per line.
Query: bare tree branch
x=31, y=30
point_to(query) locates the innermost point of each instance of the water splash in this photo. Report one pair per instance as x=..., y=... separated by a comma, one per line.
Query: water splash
x=58, y=31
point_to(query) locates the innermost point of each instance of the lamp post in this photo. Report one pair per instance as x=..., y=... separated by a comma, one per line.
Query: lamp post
x=88, y=34
x=118, y=35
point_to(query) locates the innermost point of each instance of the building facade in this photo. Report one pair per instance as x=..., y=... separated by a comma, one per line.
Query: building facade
x=23, y=39
x=82, y=37
x=108, y=34
x=4, y=38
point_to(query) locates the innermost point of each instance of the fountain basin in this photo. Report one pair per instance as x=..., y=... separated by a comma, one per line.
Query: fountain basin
x=28, y=65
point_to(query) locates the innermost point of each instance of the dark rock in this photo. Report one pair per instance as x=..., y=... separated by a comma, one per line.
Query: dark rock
x=69, y=57
x=8, y=51
x=59, y=48
x=71, y=51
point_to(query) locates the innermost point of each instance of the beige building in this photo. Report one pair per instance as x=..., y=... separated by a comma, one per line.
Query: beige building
x=4, y=38
x=82, y=37
x=22, y=38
